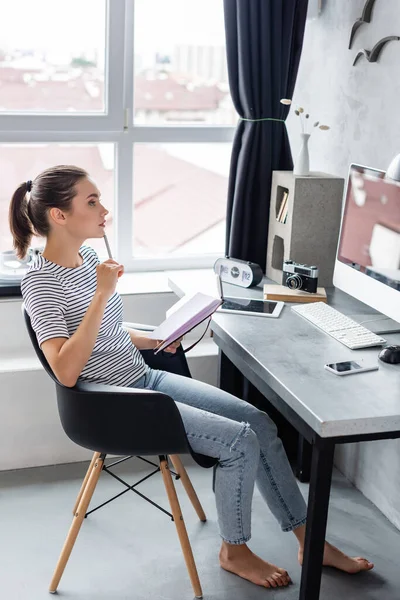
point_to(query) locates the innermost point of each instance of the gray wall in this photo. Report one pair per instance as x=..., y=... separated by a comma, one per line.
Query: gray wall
x=362, y=106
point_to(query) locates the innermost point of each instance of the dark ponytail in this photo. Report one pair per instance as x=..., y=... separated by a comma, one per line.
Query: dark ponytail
x=53, y=188
x=20, y=224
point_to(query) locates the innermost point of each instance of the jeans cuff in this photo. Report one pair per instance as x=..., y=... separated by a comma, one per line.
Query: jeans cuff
x=295, y=525
x=236, y=542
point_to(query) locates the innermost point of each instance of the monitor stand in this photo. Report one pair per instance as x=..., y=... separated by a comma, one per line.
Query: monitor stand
x=377, y=323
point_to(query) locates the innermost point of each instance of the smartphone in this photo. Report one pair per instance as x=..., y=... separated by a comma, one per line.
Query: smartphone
x=349, y=367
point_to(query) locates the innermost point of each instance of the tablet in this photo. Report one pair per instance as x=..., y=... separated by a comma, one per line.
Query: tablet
x=250, y=306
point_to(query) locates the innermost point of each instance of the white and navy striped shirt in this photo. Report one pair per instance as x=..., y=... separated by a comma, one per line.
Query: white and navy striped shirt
x=57, y=298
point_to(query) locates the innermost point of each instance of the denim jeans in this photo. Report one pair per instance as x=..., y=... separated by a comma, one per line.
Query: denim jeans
x=244, y=439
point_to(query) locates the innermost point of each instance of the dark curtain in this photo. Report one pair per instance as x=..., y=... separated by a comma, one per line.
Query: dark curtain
x=264, y=39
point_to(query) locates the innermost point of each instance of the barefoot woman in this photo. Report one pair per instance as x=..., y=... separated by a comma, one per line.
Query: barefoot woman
x=77, y=316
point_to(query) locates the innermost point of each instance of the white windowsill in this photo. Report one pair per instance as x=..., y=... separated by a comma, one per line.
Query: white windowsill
x=24, y=360
x=154, y=282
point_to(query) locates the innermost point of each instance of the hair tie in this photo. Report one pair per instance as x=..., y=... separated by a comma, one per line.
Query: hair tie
x=28, y=185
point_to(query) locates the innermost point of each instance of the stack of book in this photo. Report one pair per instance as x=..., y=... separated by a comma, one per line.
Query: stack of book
x=283, y=209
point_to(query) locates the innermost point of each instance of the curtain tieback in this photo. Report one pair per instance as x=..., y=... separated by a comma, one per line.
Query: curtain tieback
x=266, y=119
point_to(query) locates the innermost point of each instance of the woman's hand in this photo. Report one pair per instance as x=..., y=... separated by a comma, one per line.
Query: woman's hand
x=172, y=348
x=111, y=261
x=108, y=274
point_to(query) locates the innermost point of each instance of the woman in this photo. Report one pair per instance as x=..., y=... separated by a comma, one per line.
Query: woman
x=77, y=316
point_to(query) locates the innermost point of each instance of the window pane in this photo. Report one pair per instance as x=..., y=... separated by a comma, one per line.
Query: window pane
x=19, y=163
x=52, y=56
x=180, y=195
x=180, y=69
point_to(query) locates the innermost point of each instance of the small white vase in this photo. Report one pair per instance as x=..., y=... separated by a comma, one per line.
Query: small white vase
x=302, y=164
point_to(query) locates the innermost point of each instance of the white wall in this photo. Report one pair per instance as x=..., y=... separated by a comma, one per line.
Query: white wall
x=361, y=104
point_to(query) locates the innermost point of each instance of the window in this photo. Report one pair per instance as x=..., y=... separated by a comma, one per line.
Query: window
x=46, y=68
x=180, y=199
x=181, y=73
x=108, y=85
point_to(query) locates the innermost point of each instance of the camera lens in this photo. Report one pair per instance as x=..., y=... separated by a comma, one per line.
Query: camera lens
x=294, y=282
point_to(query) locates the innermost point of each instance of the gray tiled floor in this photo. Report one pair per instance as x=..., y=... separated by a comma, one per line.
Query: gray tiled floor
x=129, y=550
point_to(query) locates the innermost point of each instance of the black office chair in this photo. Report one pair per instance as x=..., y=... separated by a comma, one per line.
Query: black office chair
x=126, y=422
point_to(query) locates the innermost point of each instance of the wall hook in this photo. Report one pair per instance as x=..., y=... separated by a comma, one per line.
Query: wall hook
x=373, y=55
x=365, y=18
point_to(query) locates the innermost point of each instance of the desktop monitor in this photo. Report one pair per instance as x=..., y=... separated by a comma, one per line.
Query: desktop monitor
x=368, y=256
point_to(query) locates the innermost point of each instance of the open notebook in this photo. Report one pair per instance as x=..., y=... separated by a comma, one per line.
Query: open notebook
x=186, y=314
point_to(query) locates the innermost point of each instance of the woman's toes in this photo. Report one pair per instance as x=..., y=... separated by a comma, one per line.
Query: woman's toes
x=368, y=564
x=272, y=581
x=285, y=576
x=279, y=579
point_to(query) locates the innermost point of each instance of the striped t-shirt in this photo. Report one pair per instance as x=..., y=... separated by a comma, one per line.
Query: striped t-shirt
x=57, y=298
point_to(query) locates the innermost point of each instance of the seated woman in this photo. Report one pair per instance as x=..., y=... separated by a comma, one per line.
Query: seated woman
x=77, y=316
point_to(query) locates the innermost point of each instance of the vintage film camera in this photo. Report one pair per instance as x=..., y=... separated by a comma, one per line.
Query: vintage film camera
x=300, y=277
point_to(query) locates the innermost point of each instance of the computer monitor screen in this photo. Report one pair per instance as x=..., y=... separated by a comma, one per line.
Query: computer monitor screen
x=370, y=235
x=368, y=258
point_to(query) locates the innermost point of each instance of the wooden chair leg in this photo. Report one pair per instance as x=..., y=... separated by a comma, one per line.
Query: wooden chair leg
x=84, y=482
x=180, y=528
x=76, y=524
x=187, y=484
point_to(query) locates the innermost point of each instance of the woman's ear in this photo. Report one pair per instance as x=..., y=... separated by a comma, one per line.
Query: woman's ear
x=57, y=216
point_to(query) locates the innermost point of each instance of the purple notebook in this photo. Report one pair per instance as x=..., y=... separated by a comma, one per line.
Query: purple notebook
x=189, y=313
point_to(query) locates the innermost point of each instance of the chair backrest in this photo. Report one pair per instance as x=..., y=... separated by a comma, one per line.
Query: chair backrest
x=36, y=346
x=66, y=397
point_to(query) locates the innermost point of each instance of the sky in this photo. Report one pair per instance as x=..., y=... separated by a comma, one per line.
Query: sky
x=80, y=24
x=76, y=24
x=179, y=22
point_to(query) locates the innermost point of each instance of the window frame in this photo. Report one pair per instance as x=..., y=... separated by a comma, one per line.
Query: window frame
x=117, y=126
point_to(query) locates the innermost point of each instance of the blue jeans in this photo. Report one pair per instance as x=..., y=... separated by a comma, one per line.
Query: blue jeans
x=244, y=439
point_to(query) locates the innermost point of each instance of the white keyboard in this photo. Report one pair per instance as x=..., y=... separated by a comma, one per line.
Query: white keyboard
x=340, y=327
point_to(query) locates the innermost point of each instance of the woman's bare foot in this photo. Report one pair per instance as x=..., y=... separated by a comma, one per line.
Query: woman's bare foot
x=239, y=559
x=333, y=557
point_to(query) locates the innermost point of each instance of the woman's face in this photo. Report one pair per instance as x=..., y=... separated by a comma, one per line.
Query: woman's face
x=87, y=217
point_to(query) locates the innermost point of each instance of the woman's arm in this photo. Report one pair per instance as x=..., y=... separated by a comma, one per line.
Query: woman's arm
x=141, y=341
x=68, y=357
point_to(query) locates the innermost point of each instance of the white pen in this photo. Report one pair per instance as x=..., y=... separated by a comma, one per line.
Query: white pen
x=108, y=246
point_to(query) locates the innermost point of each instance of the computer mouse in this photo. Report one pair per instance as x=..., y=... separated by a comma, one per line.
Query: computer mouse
x=390, y=354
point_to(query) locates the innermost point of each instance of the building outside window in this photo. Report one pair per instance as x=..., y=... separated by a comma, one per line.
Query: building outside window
x=136, y=92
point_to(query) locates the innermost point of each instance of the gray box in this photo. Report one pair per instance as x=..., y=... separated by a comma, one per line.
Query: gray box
x=310, y=234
